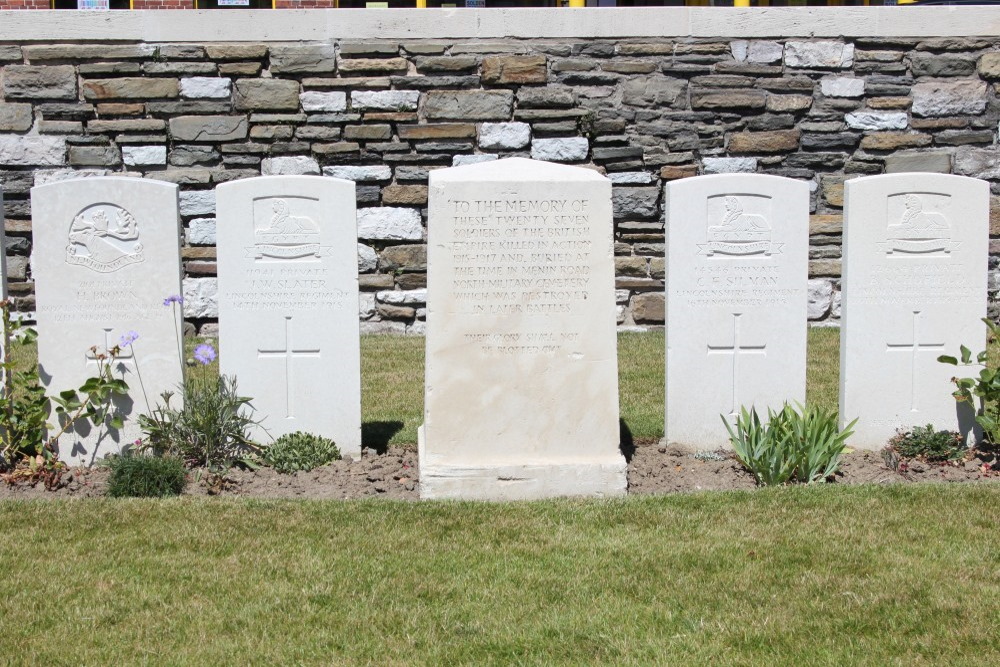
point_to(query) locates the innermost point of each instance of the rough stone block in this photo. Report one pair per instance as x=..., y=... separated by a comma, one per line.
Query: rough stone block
x=357, y=173
x=289, y=166
x=948, y=98
x=872, y=120
x=459, y=160
x=385, y=100
x=270, y=94
x=729, y=165
x=197, y=202
x=935, y=162
x=303, y=59
x=842, y=86
x=94, y=156
x=208, y=128
x=353, y=66
x=469, y=105
x=514, y=69
x=819, y=54
x=15, y=117
x=313, y=100
x=140, y=156
x=36, y=82
x=545, y=97
x=367, y=132
x=648, y=308
x=201, y=232
x=568, y=149
x=709, y=98
x=890, y=141
x=205, y=87
x=407, y=195
x=387, y=223
x=130, y=88
x=504, y=135
x=201, y=297
x=635, y=202
x=777, y=141
x=926, y=64
x=989, y=66
x=820, y=297
x=785, y=103
x=437, y=131
x=651, y=91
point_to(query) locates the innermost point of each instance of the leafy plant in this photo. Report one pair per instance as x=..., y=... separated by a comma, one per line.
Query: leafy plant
x=211, y=429
x=141, y=476
x=925, y=443
x=801, y=445
x=300, y=451
x=985, y=386
x=27, y=440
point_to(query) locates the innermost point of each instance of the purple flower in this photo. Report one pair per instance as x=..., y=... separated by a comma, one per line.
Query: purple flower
x=128, y=338
x=173, y=298
x=205, y=354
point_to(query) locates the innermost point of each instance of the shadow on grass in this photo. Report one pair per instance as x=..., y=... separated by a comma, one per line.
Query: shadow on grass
x=376, y=435
x=625, y=441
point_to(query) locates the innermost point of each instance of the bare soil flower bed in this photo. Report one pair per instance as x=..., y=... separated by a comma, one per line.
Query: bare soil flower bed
x=653, y=469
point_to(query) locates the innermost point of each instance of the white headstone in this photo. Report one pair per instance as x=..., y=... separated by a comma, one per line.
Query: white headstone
x=521, y=390
x=288, y=303
x=106, y=255
x=737, y=265
x=913, y=288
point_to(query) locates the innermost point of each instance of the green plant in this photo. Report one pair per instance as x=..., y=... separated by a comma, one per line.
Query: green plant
x=985, y=386
x=27, y=441
x=801, y=445
x=924, y=442
x=141, y=476
x=211, y=429
x=300, y=451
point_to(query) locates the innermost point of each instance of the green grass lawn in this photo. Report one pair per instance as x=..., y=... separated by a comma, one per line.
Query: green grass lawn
x=829, y=575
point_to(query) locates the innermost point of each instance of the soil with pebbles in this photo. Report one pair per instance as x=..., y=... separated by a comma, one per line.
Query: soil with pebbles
x=652, y=469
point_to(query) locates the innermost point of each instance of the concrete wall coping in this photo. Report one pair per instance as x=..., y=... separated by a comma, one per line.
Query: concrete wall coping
x=398, y=24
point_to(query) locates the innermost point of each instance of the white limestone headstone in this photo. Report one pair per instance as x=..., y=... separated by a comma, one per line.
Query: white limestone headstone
x=913, y=288
x=521, y=388
x=106, y=255
x=737, y=265
x=288, y=303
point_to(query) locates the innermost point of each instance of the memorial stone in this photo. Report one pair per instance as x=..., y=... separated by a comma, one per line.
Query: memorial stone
x=913, y=288
x=288, y=303
x=521, y=390
x=107, y=255
x=736, y=297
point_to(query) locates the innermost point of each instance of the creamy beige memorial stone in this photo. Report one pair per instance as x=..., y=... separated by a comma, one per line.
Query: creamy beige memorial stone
x=107, y=254
x=521, y=385
x=288, y=303
x=736, y=293
x=913, y=288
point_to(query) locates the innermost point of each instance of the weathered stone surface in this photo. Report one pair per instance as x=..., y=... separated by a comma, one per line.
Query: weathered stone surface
x=634, y=202
x=360, y=173
x=871, y=120
x=888, y=141
x=140, y=156
x=225, y=51
x=671, y=173
x=185, y=156
x=271, y=94
x=15, y=117
x=650, y=91
x=201, y=297
x=946, y=98
x=504, y=135
x=648, y=308
x=783, y=103
x=632, y=177
x=404, y=258
x=437, y=131
x=201, y=231
x=205, y=87
x=313, y=100
x=208, y=128
x=38, y=82
x=824, y=267
x=375, y=65
x=820, y=297
x=367, y=132
x=197, y=202
x=10, y=53
x=936, y=162
x=46, y=176
x=819, y=54
x=546, y=97
x=388, y=100
x=707, y=98
x=469, y=105
x=407, y=195
x=989, y=66
x=778, y=141
x=303, y=59
x=289, y=166
x=447, y=63
x=925, y=64
x=388, y=223
x=31, y=151
x=130, y=88
x=960, y=137
x=460, y=160
x=514, y=69
x=367, y=260
x=569, y=149
x=842, y=86
x=729, y=165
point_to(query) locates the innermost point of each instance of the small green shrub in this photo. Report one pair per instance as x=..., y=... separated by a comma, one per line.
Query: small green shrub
x=211, y=429
x=140, y=476
x=925, y=443
x=985, y=386
x=801, y=445
x=300, y=451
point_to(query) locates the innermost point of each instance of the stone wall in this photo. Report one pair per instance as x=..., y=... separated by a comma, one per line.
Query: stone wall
x=384, y=112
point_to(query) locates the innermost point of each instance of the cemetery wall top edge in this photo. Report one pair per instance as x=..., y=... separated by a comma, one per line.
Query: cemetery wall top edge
x=606, y=22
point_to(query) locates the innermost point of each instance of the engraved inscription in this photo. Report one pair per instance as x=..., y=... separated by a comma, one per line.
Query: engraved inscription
x=104, y=301
x=738, y=225
x=918, y=225
x=521, y=257
x=104, y=238
x=288, y=287
x=930, y=282
x=281, y=233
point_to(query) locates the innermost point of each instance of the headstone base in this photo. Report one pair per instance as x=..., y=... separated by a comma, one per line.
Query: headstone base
x=533, y=481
